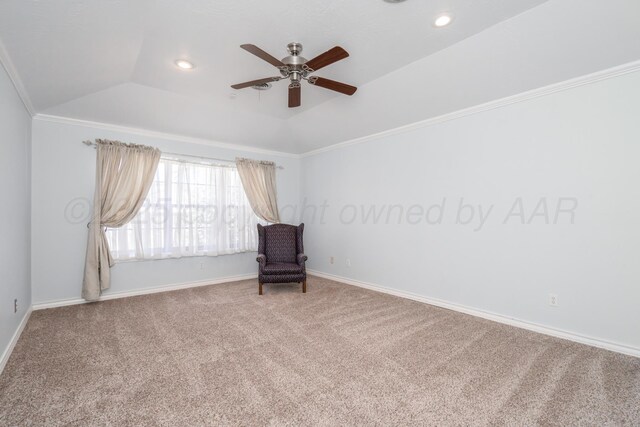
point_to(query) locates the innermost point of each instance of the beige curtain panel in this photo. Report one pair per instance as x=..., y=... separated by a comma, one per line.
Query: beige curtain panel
x=259, y=183
x=124, y=173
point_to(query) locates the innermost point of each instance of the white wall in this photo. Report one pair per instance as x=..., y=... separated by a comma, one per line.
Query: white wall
x=15, y=176
x=581, y=144
x=63, y=182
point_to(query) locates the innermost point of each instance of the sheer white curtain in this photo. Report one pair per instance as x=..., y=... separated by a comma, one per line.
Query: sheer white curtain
x=192, y=209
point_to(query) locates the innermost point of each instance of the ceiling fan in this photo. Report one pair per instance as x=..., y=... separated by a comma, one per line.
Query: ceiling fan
x=296, y=68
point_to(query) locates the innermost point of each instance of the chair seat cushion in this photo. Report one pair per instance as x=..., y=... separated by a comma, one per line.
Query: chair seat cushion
x=281, y=268
x=280, y=243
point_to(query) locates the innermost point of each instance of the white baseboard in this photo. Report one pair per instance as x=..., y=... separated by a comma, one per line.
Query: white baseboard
x=14, y=340
x=164, y=288
x=558, y=333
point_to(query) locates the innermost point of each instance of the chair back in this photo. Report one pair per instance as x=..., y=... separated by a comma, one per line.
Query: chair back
x=280, y=242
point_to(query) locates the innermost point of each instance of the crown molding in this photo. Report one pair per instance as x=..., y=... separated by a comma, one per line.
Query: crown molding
x=160, y=135
x=7, y=64
x=588, y=79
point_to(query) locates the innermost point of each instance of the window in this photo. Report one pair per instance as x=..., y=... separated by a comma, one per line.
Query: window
x=192, y=209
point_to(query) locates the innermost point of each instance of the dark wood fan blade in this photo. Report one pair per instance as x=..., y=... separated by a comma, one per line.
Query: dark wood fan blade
x=262, y=55
x=255, y=82
x=333, y=85
x=329, y=57
x=294, y=95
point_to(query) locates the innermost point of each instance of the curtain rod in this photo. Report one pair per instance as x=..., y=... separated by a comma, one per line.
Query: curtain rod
x=93, y=144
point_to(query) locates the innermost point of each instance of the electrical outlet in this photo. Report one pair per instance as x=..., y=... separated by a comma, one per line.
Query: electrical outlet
x=348, y=262
x=553, y=300
x=15, y=305
x=330, y=260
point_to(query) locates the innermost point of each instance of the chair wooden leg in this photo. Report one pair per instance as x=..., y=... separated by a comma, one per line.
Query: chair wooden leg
x=304, y=286
x=259, y=288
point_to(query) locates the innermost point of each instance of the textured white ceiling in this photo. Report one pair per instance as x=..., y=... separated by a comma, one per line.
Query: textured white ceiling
x=112, y=61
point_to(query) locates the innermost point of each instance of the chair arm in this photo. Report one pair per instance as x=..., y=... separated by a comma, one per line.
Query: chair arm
x=301, y=259
x=262, y=259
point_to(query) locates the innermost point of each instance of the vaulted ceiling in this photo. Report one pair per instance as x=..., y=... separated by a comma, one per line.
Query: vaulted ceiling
x=113, y=61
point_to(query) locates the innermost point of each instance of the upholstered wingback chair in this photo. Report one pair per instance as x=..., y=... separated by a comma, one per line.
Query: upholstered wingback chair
x=281, y=255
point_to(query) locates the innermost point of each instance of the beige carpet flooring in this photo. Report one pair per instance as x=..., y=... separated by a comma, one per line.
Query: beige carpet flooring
x=339, y=355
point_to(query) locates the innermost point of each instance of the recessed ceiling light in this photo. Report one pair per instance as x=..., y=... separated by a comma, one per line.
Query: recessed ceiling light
x=442, y=20
x=184, y=64
x=394, y=1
